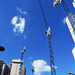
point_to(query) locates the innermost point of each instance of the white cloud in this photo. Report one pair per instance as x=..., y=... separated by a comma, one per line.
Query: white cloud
x=14, y=20
x=19, y=24
x=40, y=66
x=73, y=3
x=22, y=12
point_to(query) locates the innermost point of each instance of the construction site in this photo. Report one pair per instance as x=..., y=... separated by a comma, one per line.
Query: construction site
x=37, y=37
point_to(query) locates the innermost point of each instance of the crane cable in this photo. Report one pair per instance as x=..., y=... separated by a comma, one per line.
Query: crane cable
x=46, y=25
x=70, y=16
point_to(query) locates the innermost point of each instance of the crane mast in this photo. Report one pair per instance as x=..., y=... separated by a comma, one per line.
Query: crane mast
x=48, y=33
x=20, y=65
x=21, y=61
x=53, y=72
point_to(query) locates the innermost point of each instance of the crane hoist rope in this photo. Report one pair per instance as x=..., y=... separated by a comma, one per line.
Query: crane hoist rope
x=52, y=65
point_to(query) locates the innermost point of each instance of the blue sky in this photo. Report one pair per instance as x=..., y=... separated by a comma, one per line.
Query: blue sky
x=34, y=37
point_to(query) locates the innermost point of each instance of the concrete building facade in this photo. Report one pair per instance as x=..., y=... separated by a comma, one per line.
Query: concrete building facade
x=16, y=67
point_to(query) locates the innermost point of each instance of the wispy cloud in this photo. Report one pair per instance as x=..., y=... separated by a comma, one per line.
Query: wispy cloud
x=19, y=24
x=64, y=21
x=24, y=36
x=73, y=3
x=22, y=12
x=30, y=58
x=40, y=66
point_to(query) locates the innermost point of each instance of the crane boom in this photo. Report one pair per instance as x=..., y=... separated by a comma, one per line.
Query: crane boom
x=70, y=23
x=69, y=14
x=70, y=20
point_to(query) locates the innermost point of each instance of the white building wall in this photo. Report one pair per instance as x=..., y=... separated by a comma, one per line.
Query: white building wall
x=72, y=34
x=70, y=29
x=15, y=67
x=73, y=52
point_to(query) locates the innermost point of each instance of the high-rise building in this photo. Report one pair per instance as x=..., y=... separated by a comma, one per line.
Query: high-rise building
x=1, y=65
x=16, y=67
x=4, y=69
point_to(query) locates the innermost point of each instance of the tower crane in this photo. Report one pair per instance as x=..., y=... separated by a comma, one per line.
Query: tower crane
x=21, y=61
x=70, y=20
x=49, y=35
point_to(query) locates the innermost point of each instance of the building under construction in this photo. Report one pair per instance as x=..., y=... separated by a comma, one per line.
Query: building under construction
x=16, y=66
